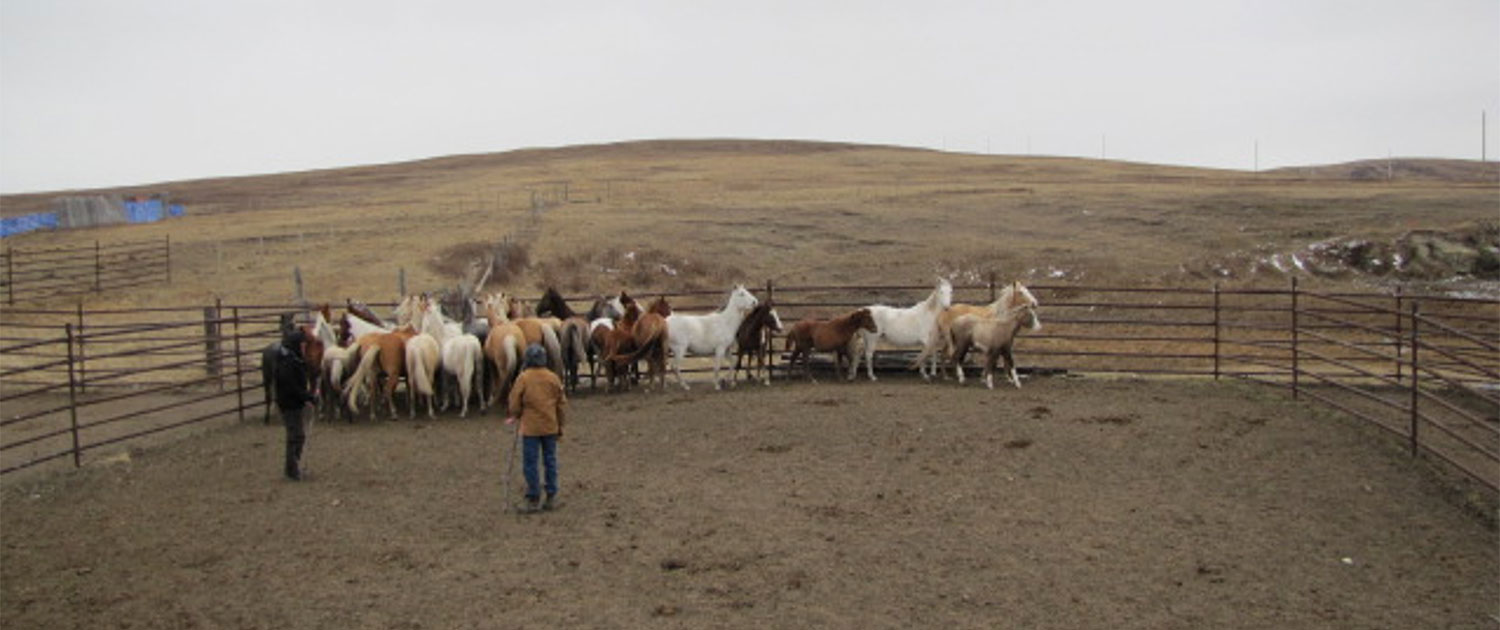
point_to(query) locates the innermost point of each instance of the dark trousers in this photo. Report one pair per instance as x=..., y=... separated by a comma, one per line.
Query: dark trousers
x=546, y=447
x=296, y=436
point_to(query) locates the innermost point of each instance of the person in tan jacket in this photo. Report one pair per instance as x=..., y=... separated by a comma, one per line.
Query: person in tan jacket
x=539, y=404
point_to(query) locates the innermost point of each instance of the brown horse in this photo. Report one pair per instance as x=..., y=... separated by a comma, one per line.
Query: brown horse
x=753, y=339
x=649, y=336
x=619, y=340
x=835, y=335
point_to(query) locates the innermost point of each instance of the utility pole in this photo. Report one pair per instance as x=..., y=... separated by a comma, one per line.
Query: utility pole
x=1483, y=138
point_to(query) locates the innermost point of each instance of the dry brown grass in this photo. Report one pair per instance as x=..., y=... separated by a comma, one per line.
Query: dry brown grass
x=607, y=217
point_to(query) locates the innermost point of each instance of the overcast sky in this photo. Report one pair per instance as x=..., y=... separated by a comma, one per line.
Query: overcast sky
x=103, y=92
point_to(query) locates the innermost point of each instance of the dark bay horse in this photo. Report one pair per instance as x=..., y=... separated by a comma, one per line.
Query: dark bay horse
x=835, y=335
x=753, y=339
x=572, y=336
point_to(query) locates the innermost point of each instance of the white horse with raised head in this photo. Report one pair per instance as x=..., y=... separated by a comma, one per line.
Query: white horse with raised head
x=906, y=327
x=714, y=332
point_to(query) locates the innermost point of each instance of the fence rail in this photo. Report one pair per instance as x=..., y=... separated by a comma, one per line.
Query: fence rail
x=38, y=274
x=1426, y=369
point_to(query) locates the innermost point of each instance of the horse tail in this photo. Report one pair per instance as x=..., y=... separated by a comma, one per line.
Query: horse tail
x=417, y=370
x=362, y=374
x=576, y=343
x=554, y=349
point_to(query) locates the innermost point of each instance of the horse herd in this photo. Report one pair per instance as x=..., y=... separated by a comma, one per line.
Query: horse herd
x=360, y=358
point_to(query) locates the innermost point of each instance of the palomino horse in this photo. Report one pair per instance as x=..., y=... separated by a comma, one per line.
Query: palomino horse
x=996, y=336
x=1012, y=297
x=502, y=350
x=912, y=326
x=379, y=353
x=714, y=332
x=312, y=354
x=753, y=339
x=537, y=330
x=649, y=338
x=834, y=335
x=573, y=336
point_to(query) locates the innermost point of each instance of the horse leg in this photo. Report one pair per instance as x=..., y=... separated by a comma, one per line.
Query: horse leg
x=870, y=341
x=960, y=352
x=1010, y=365
x=677, y=365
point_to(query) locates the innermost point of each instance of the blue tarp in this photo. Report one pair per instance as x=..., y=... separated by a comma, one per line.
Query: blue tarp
x=28, y=222
x=148, y=211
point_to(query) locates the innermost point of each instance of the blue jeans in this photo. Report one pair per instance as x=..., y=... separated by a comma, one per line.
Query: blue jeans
x=546, y=445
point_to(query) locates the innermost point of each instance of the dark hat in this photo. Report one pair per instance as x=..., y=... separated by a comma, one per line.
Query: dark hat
x=535, y=356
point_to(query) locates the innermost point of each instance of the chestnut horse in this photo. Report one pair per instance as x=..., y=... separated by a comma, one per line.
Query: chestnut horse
x=617, y=340
x=753, y=339
x=649, y=337
x=835, y=335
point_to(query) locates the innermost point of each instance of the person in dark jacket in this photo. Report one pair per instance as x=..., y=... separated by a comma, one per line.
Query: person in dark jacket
x=539, y=404
x=292, y=397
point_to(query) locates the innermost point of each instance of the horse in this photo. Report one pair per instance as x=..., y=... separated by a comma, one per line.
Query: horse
x=713, y=332
x=502, y=350
x=335, y=364
x=573, y=336
x=389, y=351
x=912, y=326
x=312, y=354
x=616, y=340
x=834, y=335
x=649, y=337
x=422, y=352
x=459, y=354
x=996, y=336
x=753, y=339
x=1015, y=295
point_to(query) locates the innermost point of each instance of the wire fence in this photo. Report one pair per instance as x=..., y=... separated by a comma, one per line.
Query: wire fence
x=1424, y=368
x=40, y=274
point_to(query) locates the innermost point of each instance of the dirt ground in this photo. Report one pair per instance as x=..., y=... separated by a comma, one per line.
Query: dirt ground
x=1071, y=503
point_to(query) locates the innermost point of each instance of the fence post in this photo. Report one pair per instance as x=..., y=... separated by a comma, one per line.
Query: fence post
x=212, y=361
x=239, y=385
x=82, y=357
x=98, y=268
x=1415, y=392
x=1397, y=340
x=1216, y=331
x=73, y=399
x=1296, y=373
x=770, y=336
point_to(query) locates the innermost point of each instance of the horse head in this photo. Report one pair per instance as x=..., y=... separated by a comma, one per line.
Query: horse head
x=312, y=348
x=741, y=300
x=944, y=293
x=864, y=320
x=1024, y=304
x=772, y=320
x=660, y=306
x=552, y=303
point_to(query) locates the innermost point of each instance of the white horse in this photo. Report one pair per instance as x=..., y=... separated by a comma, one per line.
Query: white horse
x=461, y=355
x=714, y=332
x=905, y=327
x=335, y=361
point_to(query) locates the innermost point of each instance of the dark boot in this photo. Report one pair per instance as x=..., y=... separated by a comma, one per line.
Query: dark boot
x=531, y=506
x=551, y=503
x=294, y=461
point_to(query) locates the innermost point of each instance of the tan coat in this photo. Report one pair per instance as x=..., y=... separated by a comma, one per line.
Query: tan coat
x=538, y=400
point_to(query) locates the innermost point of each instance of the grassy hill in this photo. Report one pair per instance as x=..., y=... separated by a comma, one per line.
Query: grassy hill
x=702, y=214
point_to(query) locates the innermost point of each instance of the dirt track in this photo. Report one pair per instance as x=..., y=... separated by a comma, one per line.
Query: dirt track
x=1071, y=503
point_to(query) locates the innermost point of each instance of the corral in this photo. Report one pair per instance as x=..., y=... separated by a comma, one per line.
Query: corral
x=1069, y=503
